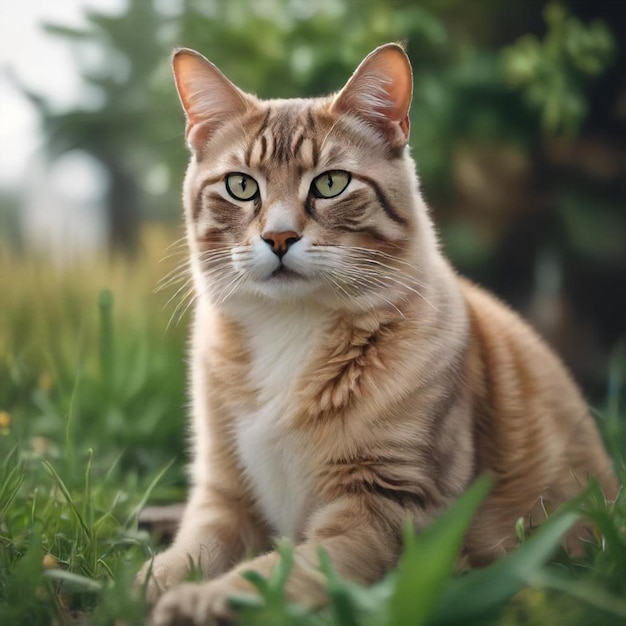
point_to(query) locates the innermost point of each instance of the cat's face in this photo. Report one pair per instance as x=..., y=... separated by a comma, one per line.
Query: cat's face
x=300, y=198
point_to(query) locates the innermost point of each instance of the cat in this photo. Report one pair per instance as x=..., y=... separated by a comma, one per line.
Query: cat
x=343, y=377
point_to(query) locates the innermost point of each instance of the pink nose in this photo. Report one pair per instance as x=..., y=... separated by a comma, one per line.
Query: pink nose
x=280, y=242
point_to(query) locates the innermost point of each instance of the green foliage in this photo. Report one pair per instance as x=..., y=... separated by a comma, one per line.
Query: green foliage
x=21, y=586
x=429, y=559
x=77, y=418
x=552, y=74
x=270, y=606
x=465, y=600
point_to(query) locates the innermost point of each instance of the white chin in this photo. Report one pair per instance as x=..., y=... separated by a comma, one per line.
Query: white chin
x=285, y=287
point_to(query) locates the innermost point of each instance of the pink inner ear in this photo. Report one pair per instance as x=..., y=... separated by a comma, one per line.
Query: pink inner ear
x=405, y=126
x=206, y=95
x=400, y=86
x=380, y=90
x=187, y=67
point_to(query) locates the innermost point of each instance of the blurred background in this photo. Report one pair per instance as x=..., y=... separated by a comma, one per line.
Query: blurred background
x=518, y=129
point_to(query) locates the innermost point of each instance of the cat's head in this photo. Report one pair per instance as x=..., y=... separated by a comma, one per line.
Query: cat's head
x=303, y=198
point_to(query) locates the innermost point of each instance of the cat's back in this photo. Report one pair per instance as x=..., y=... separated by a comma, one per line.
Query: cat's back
x=532, y=427
x=511, y=369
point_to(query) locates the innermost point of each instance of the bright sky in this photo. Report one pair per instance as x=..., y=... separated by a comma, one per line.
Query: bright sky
x=42, y=63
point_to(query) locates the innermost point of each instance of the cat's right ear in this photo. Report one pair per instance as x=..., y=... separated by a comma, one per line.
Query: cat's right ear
x=380, y=92
x=207, y=96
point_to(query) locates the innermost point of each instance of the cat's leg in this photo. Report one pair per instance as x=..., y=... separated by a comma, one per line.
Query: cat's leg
x=363, y=544
x=216, y=532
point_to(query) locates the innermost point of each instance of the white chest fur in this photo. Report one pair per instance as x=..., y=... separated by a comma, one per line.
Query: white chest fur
x=273, y=456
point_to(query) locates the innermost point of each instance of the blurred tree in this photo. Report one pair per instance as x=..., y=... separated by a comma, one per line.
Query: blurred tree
x=117, y=121
x=552, y=73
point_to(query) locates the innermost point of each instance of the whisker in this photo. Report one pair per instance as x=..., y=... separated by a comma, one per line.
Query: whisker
x=172, y=278
x=177, y=242
x=192, y=299
x=190, y=294
x=181, y=288
x=392, y=269
x=354, y=257
x=377, y=281
x=338, y=289
x=370, y=276
x=233, y=284
x=172, y=255
x=364, y=254
x=367, y=281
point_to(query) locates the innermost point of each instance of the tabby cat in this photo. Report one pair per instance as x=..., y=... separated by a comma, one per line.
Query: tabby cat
x=343, y=376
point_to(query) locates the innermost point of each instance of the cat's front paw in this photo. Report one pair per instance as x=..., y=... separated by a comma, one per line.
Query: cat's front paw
x=196, y=604
x=167, y=570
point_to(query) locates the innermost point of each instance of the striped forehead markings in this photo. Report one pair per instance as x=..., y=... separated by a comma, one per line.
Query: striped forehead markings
x=258, y=145
x=282, y=139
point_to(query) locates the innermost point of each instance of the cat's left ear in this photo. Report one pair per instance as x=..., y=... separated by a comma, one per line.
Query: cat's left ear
x=380, y=92
x=207, y=96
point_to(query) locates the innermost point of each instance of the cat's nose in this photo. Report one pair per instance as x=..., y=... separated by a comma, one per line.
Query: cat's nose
x=280, y=242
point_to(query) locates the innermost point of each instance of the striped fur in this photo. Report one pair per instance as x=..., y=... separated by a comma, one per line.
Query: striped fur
x=355, y=380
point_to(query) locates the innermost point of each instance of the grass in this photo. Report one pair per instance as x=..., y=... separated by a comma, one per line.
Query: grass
x=91, y=427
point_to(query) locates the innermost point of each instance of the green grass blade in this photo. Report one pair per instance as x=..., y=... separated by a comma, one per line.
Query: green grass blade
x=105, y=306
x=482, y=593
x=260, y=583
x=87, y=502
x=281, y=572
x=133, y=517
x=68, y=497
x=341, y=600
x=429, y=559
x=10, y=489
x=74, y=582
x=21, y=600
x=586, y=591
x=71, y=415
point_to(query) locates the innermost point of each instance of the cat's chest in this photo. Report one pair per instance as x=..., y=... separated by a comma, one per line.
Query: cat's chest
x=273, y=456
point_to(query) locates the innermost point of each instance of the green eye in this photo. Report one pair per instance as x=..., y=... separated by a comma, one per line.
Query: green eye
x=330, y=184
x=241, y=186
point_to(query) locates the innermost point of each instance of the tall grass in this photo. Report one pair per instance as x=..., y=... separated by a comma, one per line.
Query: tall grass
x=91, y=427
